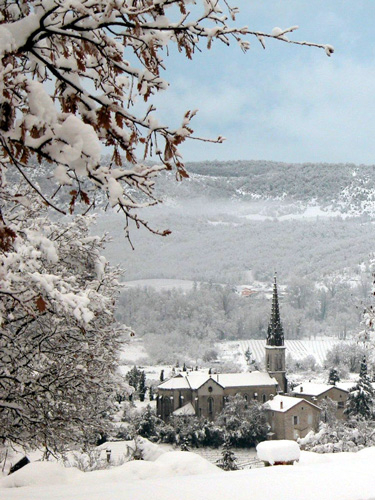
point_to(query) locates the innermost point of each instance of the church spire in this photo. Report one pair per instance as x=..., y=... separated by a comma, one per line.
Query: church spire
x=275, y=334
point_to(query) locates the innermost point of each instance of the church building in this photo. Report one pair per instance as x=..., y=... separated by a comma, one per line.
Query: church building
x=205, y=395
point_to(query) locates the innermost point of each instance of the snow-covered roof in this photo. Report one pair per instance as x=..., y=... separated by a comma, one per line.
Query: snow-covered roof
x=187, y=409
x=314, y=389
x=195, y=380
x=244, y=379
x=346, y=386
x=191, y=380
x=284, y=403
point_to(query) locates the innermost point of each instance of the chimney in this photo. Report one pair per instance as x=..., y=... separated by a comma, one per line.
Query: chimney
x=281, y=405
x=271, y=397
x=301, y=389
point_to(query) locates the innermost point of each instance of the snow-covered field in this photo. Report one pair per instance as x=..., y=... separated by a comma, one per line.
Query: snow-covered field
x=234, y=350
x=186, y=476
x=298, y=349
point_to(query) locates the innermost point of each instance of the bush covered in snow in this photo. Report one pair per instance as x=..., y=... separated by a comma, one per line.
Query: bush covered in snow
x=353, y=435
x=243, y=423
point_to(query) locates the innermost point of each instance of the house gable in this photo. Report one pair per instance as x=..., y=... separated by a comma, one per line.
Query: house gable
x=210, y=387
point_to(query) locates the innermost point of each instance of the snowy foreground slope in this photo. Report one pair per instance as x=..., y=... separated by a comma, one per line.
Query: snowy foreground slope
x=341, y=476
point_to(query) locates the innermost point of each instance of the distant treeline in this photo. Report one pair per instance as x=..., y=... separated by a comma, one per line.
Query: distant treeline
x=184, y=326
x=323, y=182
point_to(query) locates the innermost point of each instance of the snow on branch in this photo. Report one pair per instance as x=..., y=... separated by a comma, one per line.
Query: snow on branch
x=71, y=73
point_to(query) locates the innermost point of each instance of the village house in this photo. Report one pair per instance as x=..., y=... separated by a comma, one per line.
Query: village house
x=316, y=393
x=290, y=417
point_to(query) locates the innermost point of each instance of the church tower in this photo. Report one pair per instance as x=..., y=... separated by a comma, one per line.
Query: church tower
x=275, y=349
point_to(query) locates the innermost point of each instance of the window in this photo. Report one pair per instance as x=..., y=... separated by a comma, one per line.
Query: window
x=210, y=403
x=210, y=389
x=167, y=406
x=255, y=395
x=295, y=420
x=264, y=398
x=340, y=404
x=246, y=398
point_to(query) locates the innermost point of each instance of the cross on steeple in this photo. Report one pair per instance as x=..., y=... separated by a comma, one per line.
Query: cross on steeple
x=275, y=334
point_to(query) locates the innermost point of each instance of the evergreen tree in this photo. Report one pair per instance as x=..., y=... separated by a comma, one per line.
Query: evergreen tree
x=147, y=424
x=361, y=396
x=142, y=388
x=161, y=378
x=137, y=379
x=228, y=460
x=151, y=393
x=184, y=445
x=333, y=376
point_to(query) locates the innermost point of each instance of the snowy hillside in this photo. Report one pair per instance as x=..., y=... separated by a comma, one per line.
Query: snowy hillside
x=298, y=349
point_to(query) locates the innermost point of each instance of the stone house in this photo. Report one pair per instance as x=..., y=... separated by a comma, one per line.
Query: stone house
x=290, y=417
x=316, y=393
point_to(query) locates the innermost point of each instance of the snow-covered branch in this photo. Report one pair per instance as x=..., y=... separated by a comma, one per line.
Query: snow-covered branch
x=72, y=72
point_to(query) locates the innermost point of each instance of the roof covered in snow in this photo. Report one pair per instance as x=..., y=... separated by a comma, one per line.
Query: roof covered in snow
x=187, y=409
x=195, y=380
x=314, y=389
x=285, y=403
x=244, y=379
x=347, y=386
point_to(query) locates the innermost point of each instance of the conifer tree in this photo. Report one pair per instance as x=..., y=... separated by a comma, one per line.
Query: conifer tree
x=228, y=460
x=333, y=376
x=184, y=445
x=361, y=396
x=142, y=388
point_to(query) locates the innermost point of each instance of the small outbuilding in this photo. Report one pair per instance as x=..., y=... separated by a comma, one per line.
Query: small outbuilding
x=282, y=452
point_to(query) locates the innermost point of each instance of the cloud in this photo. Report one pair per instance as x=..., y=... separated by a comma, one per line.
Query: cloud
x=286, y=103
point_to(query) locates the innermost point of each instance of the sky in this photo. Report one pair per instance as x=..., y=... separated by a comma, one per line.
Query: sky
x=285, y=103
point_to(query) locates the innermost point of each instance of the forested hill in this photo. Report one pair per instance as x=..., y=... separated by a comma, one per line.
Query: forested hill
x=346, y=187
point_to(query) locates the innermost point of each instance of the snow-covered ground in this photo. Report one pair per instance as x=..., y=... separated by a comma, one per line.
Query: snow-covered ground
x=186, y=476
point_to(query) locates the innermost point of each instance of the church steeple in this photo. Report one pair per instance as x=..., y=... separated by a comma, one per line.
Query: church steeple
x=275, y=349
x=275, y=333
